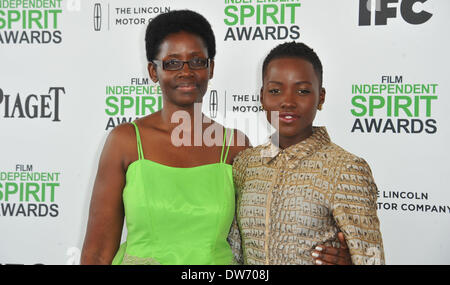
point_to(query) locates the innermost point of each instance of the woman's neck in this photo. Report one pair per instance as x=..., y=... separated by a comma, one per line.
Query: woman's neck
x=285, y=142
x=190, y=117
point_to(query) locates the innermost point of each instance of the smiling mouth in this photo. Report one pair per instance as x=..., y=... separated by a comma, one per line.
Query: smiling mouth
x=288, y=117
x=186, y=86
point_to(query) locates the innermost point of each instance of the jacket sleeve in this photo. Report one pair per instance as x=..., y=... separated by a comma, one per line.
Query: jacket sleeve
x=234, y=237
x=354, y=209
x=239, y=169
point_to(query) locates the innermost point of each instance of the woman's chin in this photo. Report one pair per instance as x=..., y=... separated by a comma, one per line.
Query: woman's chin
x=186, y=100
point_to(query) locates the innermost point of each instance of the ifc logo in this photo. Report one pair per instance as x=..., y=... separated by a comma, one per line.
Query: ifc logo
x=97, y=17
x=385, y=9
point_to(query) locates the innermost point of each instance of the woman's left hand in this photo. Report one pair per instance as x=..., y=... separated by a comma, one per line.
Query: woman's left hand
x=327, y=255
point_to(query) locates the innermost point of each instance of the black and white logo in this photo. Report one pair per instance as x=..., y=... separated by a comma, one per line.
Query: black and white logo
x=32, y=106
x=97, y=17
x=213, y=104
x=381, y=10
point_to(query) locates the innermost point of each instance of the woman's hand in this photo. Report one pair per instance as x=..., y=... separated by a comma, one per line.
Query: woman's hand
x=327, y=255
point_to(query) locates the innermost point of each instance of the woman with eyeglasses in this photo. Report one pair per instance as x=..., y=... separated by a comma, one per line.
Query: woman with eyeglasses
x=175, y=189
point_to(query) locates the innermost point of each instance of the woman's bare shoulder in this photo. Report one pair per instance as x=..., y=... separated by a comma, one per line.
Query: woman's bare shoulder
x=122, y=134
x=121, y=144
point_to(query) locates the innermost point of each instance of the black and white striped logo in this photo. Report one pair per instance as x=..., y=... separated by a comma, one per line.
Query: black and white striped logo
x=213, y=104
x=97, y=17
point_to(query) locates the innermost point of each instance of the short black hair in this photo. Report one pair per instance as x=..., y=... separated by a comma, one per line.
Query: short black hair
x=177, y=21
x=295, y=49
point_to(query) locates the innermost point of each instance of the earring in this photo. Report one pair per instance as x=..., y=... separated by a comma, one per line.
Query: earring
x=320, y=107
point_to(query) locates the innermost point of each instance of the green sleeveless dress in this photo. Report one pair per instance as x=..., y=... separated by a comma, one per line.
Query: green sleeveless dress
x=177, y=215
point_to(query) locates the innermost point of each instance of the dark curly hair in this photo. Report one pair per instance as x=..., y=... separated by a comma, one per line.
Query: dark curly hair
x=294, y=49
x=176, y=21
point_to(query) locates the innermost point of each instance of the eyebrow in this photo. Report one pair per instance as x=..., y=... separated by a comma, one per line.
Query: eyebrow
x=274, y=82
x=303, y=82
x=296, y=83
x=178, y=55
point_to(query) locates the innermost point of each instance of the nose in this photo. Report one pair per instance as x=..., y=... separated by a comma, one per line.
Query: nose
x=185, y=69
x=288, y=101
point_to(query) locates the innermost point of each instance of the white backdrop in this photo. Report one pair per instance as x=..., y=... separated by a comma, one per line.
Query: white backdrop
x=50, y=139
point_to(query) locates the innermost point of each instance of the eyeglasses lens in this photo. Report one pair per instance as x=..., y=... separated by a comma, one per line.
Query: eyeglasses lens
x=195, y=63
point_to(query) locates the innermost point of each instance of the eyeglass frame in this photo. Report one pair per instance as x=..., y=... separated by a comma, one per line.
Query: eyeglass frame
x=156, y=61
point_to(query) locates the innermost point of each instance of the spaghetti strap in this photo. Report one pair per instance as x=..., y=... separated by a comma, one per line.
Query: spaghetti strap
x=224, y=159
x=139, y=144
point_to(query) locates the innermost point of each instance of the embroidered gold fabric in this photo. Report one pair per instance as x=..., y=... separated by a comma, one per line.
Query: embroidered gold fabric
x=291, y=200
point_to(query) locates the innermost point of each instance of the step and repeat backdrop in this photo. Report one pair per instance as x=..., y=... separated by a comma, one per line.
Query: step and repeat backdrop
x=70, y=71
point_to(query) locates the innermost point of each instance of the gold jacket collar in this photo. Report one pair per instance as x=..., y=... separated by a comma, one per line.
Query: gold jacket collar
x=305, y=148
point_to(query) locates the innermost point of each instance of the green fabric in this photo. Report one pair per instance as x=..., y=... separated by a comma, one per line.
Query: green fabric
x=177, y=215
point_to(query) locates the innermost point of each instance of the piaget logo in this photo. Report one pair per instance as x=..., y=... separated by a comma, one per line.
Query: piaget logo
x=30, y=21
x=394, y=107
x=28, y=193
x=251, y=20
x=32, y=106
x=125, y=103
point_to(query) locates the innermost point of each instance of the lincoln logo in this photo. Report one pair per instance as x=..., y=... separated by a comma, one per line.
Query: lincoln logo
x=213, y=104
x=97, y=17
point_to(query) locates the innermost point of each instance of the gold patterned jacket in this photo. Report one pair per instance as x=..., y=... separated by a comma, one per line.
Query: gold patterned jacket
x=290, y=200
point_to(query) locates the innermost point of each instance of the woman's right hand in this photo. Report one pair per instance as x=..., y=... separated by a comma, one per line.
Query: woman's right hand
x=328, y=255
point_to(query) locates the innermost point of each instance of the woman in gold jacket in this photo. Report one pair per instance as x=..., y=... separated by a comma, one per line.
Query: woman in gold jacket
x=298, y=191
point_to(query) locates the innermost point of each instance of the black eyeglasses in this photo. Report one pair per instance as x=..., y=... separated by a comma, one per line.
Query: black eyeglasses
x=175, y=64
